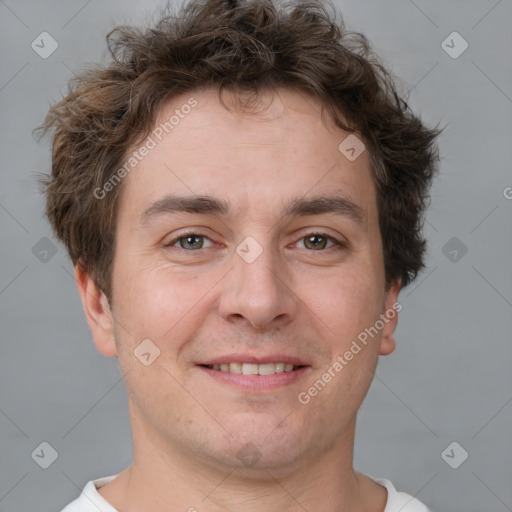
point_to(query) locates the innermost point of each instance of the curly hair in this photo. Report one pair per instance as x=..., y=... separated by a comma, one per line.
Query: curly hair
x=245, y=46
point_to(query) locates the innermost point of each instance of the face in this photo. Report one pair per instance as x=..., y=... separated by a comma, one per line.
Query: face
x=226, y=253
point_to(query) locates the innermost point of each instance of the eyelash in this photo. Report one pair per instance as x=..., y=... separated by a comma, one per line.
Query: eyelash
x=338, y=245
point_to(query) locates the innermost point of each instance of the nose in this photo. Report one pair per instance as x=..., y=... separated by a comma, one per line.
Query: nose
x=258, y=292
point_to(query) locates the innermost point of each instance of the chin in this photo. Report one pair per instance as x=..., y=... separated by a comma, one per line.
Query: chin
x=259, y=444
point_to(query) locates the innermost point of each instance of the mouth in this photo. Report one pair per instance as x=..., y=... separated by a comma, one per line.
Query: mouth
x=254, y=368
x=256, y=374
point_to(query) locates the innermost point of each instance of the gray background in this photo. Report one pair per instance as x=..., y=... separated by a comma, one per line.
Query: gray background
x=449, y=379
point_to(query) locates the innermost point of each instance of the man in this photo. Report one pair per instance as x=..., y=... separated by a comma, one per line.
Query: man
x=240, y=251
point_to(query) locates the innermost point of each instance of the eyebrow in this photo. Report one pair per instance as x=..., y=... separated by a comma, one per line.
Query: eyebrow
x=296, y=207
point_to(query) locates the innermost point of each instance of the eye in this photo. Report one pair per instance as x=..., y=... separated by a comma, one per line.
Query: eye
x=318, y=241
x=189, y=241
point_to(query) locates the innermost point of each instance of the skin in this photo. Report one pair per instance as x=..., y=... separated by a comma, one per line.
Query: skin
x=197, y=304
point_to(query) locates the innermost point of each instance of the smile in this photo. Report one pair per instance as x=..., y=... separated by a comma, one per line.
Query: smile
x=253, y=368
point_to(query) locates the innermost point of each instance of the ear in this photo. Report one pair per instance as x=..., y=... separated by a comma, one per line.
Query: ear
x=391, y=309
x=97, y=311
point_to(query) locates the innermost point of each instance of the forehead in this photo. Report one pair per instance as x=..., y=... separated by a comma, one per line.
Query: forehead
x=283, y=148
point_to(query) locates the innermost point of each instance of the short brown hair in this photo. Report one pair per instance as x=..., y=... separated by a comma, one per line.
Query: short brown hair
x=244, y=46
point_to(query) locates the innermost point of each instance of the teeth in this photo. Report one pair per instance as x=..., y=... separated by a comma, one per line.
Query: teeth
x=254, y=369
x=279, y=367
x=267, y=369
x=234, y=367
x=250, y=369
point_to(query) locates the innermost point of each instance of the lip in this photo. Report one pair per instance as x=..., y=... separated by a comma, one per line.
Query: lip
x=251, y=358
x=255, y=383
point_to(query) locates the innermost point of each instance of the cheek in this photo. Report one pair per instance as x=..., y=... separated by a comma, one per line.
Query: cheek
x=165, y=307
x=345, y=303
x=354, y=307
x=157, y=302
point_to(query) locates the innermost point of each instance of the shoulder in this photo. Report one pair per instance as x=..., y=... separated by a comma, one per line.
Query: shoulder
x=400, y=501
x=90, y=499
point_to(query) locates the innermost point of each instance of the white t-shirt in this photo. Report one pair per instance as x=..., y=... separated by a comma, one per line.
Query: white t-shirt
x=91, y=500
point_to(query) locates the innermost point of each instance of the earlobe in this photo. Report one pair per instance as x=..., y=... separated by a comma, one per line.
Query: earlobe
x=97, y=311
x=392, y=307
x=387, y=345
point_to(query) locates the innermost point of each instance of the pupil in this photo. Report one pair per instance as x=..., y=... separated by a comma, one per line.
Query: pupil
x=189, y=238
x=315, y=244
